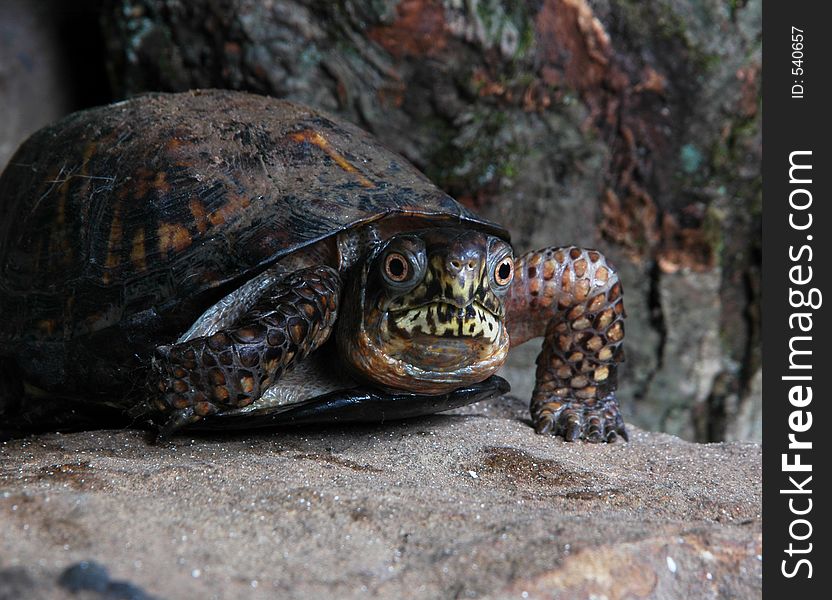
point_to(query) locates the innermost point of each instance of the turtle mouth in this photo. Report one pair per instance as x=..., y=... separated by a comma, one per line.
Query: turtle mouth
x=442, y=319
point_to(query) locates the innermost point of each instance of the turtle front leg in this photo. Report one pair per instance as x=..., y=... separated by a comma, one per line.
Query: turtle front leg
x=233, y=366
x=573, y=297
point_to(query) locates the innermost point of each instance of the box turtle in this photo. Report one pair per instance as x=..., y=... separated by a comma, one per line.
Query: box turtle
x=225, y=260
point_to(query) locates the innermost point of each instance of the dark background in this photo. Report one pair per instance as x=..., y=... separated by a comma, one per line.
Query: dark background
x=629, y=126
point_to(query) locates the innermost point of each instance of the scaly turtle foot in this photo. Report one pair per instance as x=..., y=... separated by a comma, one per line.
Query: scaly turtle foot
x=574, y=420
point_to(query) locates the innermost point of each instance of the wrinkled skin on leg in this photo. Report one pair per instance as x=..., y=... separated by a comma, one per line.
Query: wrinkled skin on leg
x=573, y=297
x=231, y=368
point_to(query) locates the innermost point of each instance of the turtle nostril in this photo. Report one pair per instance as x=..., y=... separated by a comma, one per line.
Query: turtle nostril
x=456, y=264
x=471, y=265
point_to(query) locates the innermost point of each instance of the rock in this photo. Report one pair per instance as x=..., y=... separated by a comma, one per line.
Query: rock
x=468, y=504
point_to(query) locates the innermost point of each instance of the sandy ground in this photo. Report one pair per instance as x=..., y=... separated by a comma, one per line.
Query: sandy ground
x=471, y=504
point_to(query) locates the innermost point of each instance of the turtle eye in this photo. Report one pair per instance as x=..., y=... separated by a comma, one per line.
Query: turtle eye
x=396, y=267
x=504, y=271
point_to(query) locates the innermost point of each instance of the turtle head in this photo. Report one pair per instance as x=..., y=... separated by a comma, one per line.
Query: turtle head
x=425, y=314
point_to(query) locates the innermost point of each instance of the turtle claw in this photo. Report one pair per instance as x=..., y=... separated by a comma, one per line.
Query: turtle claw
x=574, y=420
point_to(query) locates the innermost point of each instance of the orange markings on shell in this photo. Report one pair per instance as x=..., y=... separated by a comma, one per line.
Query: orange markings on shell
x=137, y=251
x=316, y=139
x=47, y=326
x=200, y=216
x=173, y=144
x=173, y=238
x=234, y=204
x=160, y=183
x=113, y=242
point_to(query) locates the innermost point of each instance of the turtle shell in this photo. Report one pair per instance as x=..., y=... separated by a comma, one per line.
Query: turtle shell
x=120, y=224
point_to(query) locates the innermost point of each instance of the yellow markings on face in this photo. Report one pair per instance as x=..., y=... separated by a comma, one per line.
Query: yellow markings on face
x=316, y=139
x=443, y=319
x=137, y=251
x=173, y=238
x=458, y=288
